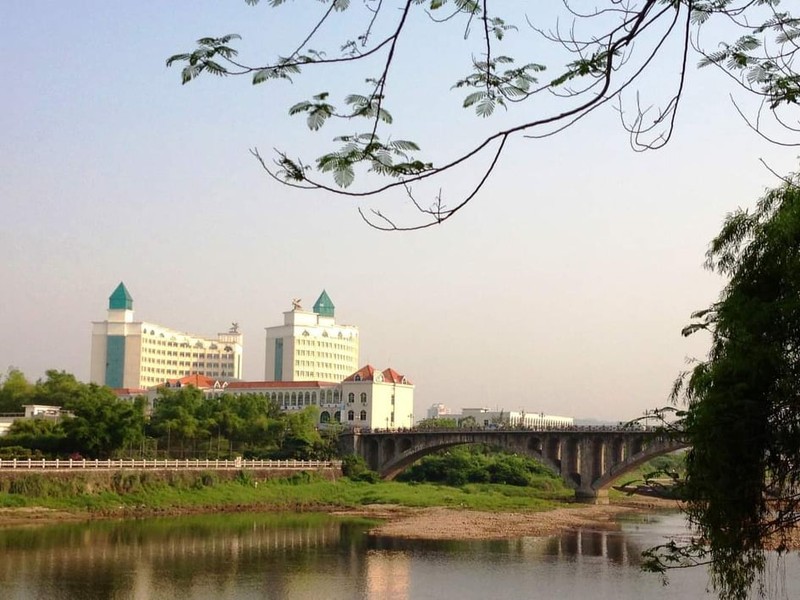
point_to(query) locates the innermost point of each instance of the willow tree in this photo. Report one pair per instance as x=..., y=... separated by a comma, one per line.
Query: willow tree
x=742, y=415
x=545, y=70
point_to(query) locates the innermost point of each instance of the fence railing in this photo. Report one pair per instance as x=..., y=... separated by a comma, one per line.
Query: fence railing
x=42, y=464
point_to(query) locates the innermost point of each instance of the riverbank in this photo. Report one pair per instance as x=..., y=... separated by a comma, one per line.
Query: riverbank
x=409, y=510
x=409, y=522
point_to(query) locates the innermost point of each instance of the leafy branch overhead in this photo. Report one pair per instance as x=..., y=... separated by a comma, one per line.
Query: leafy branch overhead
x=592, y=59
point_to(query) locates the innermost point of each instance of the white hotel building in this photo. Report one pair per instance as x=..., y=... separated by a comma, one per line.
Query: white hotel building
x=138, y=354
x=311, y=346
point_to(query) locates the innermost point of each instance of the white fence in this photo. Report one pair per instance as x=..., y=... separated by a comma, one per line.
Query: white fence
x=292, y=465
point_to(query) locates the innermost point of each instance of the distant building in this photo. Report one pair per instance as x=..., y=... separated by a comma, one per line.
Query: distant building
x=311, y=346
x=32, y=411
x=139, y=354
x=439, y=411
x=485, y=417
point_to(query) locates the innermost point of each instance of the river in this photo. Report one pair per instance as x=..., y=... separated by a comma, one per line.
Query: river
x=316, y=557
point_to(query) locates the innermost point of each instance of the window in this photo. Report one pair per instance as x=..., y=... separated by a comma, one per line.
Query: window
x=325, y=417
x=351, y=397
x=363, y=415
x=350, y=415
x=363, y=397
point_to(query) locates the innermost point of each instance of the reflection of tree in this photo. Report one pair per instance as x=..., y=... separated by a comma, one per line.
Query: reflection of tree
x=176, y=555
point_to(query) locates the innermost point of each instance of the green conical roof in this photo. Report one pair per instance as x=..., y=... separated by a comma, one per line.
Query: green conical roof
x=324, y=306
x=120, y=299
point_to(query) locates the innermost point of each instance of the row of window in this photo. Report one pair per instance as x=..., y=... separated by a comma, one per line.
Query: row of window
x=351, y=397
x=320, y=365
x=187, y=364
x=325, y=375
x=304, y=398
x=325, y=416
x=333, y=355
x=198, y=345
x=218, y=355
x=306, y=342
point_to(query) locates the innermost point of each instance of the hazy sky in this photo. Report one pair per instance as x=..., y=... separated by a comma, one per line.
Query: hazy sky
x=562, y=288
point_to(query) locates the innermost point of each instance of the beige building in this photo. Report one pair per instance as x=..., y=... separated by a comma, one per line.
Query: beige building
x=368, y=398
x=311, y=346
x=138, y=354
x=377, y=399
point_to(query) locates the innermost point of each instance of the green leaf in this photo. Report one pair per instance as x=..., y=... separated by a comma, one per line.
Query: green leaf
x=300, y=107
x=485, y=108
x=344, y=175
x=473, y=98
x=317, y=117
x=262, y=75
x=404, y=145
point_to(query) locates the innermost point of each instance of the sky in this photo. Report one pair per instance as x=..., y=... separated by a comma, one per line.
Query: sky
x=562, y=288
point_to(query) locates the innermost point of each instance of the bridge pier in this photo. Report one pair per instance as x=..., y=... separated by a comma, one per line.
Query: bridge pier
x=591, y=496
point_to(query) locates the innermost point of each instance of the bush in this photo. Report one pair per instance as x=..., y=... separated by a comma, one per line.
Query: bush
x=367, y=477
x=244, y=478
x=206, y=479
x=354, y=467
x=460, y=466
x=19, y=452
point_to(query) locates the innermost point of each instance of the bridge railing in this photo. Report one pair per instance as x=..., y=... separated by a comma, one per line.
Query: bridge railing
x=43, y=464
x=512, y=428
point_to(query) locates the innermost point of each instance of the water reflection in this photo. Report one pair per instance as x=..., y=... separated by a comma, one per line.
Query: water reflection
x=316, y=556
x=613, y=546
x=185, y=558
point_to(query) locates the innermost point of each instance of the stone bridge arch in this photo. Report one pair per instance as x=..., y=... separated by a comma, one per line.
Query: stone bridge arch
x=588, y=459
x=411, y=453
x=619, y=469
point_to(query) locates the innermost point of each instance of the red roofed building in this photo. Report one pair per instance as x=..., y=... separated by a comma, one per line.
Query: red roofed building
x=378, y=399
x=201, y=382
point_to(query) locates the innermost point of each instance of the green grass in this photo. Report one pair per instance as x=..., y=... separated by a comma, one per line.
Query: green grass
x=299, y=493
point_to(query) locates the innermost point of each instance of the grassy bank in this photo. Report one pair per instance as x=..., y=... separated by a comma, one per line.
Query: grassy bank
x=126, y=492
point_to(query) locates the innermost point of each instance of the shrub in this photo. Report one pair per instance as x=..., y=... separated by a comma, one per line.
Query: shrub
x=244, y=478
x=354, y=467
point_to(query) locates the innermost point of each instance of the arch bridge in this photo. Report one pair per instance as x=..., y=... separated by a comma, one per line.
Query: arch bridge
x=588, y=459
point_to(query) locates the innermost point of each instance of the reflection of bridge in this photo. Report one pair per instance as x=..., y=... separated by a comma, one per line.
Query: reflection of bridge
x=589, y=459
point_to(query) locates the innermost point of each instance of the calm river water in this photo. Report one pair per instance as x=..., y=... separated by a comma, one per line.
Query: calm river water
x=315, y=557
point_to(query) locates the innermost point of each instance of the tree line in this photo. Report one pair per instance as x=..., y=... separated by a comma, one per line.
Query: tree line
x=182, y=423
